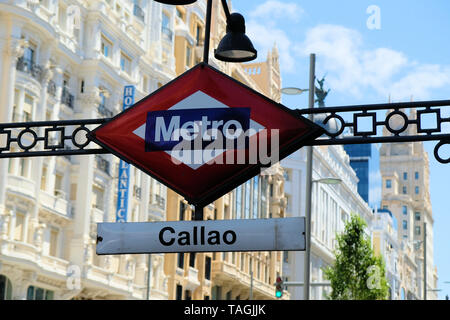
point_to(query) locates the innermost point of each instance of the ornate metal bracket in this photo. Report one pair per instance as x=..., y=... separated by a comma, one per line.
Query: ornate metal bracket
x=48, y=138
x=68, y=137
x=395, y=120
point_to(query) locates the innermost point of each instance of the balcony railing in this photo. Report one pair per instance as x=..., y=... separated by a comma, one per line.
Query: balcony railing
x=103, y=111
x=67, y=98
x=28, y=66
x=138, y=12
x=103, y=164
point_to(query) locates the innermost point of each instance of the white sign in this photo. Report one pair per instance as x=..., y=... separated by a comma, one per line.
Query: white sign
x=284, y=234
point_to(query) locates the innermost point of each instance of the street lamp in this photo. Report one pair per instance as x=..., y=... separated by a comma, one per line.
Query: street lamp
x=293, y=90
x=309, y=158
x=235, y=46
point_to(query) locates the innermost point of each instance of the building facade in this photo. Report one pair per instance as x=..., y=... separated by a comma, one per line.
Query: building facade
x=405, y=192
x=71, y=59
x=331, y=207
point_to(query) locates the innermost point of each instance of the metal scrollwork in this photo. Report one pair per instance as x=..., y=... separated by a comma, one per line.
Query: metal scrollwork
x=394, y=121
x=47, y=138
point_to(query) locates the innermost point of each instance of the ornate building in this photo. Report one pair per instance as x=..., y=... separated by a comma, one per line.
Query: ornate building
x=405, y=175
x=71, y=59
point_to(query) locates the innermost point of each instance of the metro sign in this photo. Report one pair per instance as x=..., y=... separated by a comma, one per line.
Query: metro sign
x=204, y=133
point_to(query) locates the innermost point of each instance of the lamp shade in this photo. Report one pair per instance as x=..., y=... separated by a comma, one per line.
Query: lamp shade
x=235, y=46
x=176, y=2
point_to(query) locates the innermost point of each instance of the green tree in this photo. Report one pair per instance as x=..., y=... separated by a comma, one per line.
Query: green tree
x=357, y=273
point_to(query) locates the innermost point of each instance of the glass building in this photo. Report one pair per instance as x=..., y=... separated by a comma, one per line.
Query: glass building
x=359, y=160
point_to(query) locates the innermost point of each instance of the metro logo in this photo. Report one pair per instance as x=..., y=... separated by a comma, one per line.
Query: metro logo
x=167, y=128
x=204, y=133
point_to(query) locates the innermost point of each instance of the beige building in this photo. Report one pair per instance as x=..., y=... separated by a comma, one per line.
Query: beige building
x=70, y=59
x=405, y=192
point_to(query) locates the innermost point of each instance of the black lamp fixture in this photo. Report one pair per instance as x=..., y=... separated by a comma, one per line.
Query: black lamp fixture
x=176, y=2
x=235, y=46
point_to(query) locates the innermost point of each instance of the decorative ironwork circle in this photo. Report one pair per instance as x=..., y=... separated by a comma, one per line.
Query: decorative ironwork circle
x=405, y=122
x=74, y=134
x=436, y=151
x=342, y=126
x=19, y=139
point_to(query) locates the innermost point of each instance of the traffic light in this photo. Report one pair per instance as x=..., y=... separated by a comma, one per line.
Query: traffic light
x=279, y=288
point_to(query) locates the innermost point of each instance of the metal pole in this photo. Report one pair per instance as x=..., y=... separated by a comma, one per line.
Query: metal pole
x=207, y=32
x=309, y=167
x=424, y=261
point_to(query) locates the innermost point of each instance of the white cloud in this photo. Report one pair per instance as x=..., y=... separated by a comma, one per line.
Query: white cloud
x=273, y=9
x=264, y=38
x=264, y=31
x=353, y=70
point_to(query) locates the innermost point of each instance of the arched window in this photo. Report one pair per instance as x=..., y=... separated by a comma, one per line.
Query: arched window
x=5, y=288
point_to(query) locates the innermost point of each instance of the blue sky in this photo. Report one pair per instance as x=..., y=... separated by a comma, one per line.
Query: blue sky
x=405, y=57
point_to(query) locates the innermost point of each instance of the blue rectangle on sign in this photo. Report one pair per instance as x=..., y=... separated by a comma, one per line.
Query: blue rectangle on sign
x=196, y=128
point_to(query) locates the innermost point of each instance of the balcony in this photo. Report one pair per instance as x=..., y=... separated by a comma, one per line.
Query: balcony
x=67, y=98
x=139, y=13
x=21, y=185
x=56, y=203
x=192, y=281
x=28, y=66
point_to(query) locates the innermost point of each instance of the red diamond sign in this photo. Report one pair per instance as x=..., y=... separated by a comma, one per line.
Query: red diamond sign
x=204, y=133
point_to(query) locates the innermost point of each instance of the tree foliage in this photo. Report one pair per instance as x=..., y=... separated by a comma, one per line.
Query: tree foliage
x=357, y=273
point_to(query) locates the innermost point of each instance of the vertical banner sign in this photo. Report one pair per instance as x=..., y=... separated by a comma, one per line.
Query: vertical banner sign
x=124, y=167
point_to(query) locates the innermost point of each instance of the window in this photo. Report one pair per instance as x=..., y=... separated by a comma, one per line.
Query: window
x=416, y=175
x=286, y=256
x=417, y=190
x=192, y=259
x=388, y=183
x=405, y=175
x=405, y=225
x=125, y=63
x=44, y=178
x=5, y=288
x=19, y=227
x=255, y=197
x=208, y=268
x=417, y=231
x=179, y=14
x=417, y=216
x=181, y=213
x=188, y=56
x=238, y=202
x=35, y=293
x=97, y=197
x=179, y=292
x=247, y=200
x=53, y=242
x=106, y=47
x=405, y=209
x=180, y=262
x=58, y=184
x=27, y=108
x=198, y=34
x=404, y=190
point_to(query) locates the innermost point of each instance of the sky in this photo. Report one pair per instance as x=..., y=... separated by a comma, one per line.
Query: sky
x=369, y=52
